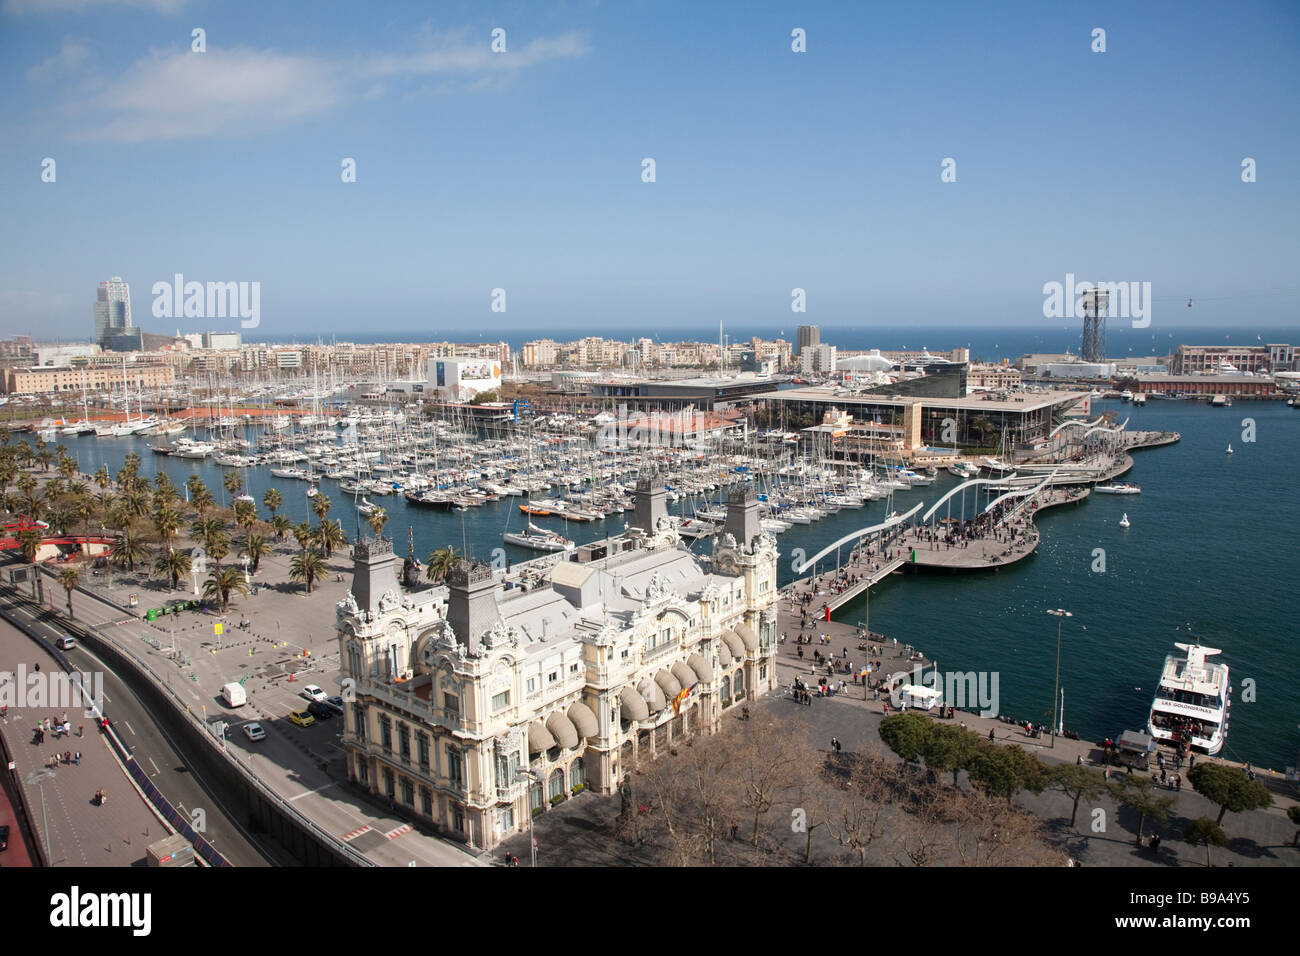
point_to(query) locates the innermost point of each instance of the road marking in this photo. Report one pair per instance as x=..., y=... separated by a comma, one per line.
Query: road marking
x=308, y=793
x=399, y=831
x=129, y=727
x=156, y=771
x=356, y=833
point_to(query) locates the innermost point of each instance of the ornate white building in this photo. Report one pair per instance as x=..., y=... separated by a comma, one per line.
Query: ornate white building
x=609, y=659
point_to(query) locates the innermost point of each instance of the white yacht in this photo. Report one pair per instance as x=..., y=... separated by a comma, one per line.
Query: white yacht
x=964, y=470
x=539, y=539
x=1192, y=700
x=1118, y=488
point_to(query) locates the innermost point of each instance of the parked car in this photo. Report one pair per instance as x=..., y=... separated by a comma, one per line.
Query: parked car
x=302, y=718
x=312, y=692
x=335, y=702
x=254, y=731
x=320, y=710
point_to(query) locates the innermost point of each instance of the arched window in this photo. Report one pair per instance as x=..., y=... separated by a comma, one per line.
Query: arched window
x=555, y=786
x=576, y=774
x=726, y=687
x=739, y=684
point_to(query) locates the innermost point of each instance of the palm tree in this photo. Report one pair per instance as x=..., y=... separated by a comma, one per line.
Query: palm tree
x=234, y=483
x=377, y=519
x=194, y=483
x=69, y=467
x=7, y=474
x=70, y=577
x=46, y=456
x=26, y=484
x=172, y=563
x=202, y=500
x=84, y=508
x=221, y=583
x=330, y=536
x=52, y=491
x=166, y=521
x=218, y=548
x=303, y=533
x=61, y=519
x=207, y=529
x=100, y=477
x=136, y=503
x=307, y=567
x=128, y=549
x=282, y=526
x=441, y=563
x=273, y=500
x=321, y=506
x=245, y=515
x=256, y=547
x=29, y=539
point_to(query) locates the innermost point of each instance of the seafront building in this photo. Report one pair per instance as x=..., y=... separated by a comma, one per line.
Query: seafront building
x=575, y=671
x=112, y=309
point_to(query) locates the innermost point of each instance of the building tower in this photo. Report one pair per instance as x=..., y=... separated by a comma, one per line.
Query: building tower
x=808, y=335
x=112, y=309
x=1095, y=306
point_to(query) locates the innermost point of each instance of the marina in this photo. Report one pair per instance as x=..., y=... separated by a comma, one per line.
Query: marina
x=913, y=604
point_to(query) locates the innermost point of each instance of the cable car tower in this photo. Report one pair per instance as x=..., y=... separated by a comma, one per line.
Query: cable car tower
x=1096, y=304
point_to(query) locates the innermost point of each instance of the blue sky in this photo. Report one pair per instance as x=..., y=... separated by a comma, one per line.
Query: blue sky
x=522, y=170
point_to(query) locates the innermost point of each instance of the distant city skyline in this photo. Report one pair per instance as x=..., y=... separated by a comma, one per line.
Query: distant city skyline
x=517, y=180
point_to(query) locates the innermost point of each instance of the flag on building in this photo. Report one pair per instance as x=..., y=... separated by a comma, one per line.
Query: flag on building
x=685, y=692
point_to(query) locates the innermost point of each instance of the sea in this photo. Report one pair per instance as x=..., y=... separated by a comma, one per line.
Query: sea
x=1210, y=555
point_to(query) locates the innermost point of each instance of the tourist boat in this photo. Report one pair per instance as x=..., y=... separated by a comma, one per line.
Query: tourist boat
x=1126, y=396
x=539, y=539
x=995, y=467
x=1192, y=700
x=1124, y=522
x=695, y=528
x=1219, y=401
x=1118, y=488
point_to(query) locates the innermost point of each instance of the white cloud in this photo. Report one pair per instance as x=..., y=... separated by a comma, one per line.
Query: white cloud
x=168, y=96
x=62, y=65
x=188, y=95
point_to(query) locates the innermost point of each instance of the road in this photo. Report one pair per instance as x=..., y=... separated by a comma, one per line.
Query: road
x=154, y=747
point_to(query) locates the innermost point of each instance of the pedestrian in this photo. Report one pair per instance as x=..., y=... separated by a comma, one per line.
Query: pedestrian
x=1078, y=761
x=78, y=758
x=991, y=735
x=81, y=730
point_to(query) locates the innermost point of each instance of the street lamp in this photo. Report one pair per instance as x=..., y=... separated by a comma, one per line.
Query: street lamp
x=538, y=779
x=39, y=777
x=1059, y=613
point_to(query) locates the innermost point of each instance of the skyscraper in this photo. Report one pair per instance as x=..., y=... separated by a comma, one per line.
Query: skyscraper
x=112, y=309
x=808, y=335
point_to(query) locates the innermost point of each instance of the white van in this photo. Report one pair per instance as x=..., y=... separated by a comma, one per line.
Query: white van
x=65, y=643
x=234, y=695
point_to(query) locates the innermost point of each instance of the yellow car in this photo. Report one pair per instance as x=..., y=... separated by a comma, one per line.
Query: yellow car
x=302, y=718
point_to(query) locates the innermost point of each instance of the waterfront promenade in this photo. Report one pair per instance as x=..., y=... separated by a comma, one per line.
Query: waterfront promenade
x=59, y=796
x=289, y=641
